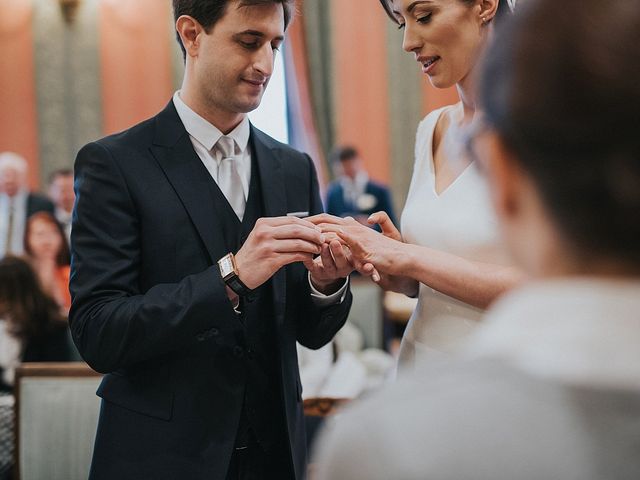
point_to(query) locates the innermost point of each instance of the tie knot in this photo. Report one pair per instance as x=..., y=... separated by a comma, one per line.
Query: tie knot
x=226, y=146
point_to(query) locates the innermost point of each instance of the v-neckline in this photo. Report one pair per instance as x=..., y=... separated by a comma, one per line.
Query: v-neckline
x=432, y=159
x=452, y=184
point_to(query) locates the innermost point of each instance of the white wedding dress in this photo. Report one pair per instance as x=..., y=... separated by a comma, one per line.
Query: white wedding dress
x=459, y=221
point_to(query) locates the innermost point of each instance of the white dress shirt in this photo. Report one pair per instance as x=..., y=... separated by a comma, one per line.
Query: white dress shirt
x=353, y=189
x=204, y=136
x=64, y=218
x=19, y=205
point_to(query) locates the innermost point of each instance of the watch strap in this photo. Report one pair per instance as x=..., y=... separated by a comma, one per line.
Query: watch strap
x=235, y=284
x=229, y=273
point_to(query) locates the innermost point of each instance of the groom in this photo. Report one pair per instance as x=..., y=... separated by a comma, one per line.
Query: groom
x=187, y=282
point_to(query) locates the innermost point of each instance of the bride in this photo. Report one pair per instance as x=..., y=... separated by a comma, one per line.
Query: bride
x=449, y=254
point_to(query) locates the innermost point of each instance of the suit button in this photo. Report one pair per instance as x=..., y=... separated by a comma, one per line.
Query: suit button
x=213, y=332
x=251, y=354
x=238, y=351
x=200, y=337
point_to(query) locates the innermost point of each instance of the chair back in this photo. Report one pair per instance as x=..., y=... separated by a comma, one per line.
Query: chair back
x=56, y=419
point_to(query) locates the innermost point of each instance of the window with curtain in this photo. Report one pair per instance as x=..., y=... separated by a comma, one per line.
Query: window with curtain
x=271, y=115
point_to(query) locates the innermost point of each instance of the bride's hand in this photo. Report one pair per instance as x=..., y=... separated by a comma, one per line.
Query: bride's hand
x=394, y=283
x=386, y=225
x=366, y=245
x=363, y=263
x=388, y=229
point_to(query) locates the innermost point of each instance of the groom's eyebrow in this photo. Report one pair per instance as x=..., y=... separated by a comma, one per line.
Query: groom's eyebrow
x=259, y=34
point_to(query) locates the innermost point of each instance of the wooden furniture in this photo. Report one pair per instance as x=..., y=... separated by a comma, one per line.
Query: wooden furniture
x=321, y=407
x=315, y=411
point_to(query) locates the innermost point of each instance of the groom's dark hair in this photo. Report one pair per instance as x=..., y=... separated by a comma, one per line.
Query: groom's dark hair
x=208, y=12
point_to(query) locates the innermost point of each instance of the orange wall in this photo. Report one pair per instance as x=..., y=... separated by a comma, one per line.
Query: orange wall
x=18, y=120
x=136, y=60
x=433, y=98
x=136, y=75
x=361, y=87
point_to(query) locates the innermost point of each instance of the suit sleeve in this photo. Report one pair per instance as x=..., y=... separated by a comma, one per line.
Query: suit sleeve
x=332, y=200
x=318, y=325
x=114, y=324
x=387, y=205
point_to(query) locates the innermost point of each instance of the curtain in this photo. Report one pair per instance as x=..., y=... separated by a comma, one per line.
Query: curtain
x=303, y=131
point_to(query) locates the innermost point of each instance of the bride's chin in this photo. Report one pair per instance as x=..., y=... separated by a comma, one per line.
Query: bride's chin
x=439, y=83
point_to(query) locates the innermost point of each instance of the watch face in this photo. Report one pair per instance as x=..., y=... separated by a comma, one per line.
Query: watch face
x=226, y=266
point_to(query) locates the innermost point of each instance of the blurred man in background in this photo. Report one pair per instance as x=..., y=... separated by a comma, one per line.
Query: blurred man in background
x=62, y=195
x=17, y=203
x=353, y=193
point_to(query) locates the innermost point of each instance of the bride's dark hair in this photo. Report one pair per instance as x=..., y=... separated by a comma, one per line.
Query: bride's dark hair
x=504, y=7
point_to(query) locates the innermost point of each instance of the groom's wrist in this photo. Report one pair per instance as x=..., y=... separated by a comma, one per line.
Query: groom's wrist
x=327, y=287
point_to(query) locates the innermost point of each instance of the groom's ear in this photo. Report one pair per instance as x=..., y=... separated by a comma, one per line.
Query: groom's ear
x=190, y=32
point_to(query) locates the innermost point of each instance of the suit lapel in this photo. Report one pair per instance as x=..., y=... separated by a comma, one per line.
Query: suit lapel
x=275, y=203
x=183, y=168
x=271, y=175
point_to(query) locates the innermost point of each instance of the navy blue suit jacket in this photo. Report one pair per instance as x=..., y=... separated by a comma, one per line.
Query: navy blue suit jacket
x=151, y=311
x=336, y=204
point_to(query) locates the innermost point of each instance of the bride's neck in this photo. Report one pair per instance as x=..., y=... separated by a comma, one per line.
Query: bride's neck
x=467, y=93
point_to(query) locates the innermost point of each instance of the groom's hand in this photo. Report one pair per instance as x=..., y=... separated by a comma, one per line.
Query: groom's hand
x=274, y=243
x=331, y=268
x=336, y=261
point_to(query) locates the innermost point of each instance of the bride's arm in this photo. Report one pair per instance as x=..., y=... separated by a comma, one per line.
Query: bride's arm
x=475, y=283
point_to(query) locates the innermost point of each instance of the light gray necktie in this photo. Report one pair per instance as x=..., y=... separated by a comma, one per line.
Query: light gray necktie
x=229, y=179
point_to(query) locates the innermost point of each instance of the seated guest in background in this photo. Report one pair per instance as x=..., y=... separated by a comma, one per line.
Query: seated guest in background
x=32, y=329
x=62, y=194
x=550, y=386
x=16, y=203
x=353, y=194
x=48, y=251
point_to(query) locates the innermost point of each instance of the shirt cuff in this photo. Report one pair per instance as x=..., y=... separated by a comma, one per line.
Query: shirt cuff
x=322, y=300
